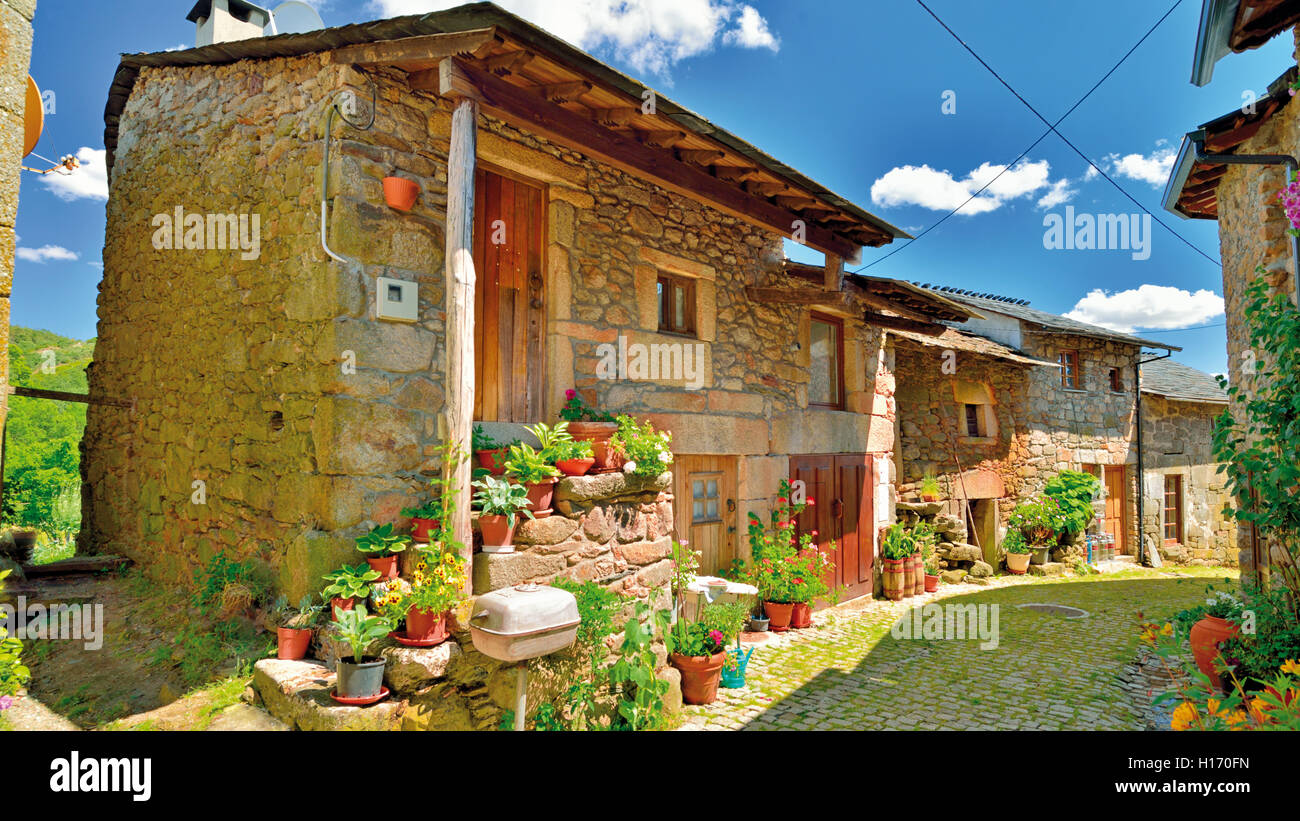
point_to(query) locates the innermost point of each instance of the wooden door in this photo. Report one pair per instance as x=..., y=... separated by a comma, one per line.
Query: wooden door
x=509, y=306
x=705, y=495
x=841, y=486
x=1116, y=504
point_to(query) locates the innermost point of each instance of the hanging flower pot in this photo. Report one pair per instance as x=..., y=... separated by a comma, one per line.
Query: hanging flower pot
x=400, y=193
x=700, y=676
x=778, y=614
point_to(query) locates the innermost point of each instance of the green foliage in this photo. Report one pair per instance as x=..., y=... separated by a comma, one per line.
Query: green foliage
x=528, y=466
x=898, y=542
x=358, y=628
x=686, y=564
x=1015, y=542
x=597, y=607
x=1039, y=520
x=381, y=542
x=1219, y=603
x=549, y=437
x=302, y=617
x=566, y=451
x=930, y=486
x=1276, y=638
x=1074, y=491
x=349, y=582
x=648, y=451
x=641, y=693
x=202, y=650
x=728, y=618
x=576, y=410
x=222, y=574
x=482, y=441
x=13, y=674
x=500, y=497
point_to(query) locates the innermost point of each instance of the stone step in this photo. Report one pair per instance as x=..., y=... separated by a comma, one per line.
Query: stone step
x=298, y=694
x=1049, y=569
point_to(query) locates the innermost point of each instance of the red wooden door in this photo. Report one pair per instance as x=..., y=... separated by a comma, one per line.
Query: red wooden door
x=1116, y=504
x=840, y=484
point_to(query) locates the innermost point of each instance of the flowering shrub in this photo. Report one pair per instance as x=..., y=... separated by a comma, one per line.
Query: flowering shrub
x=695, y=639
x=788, y=568
x=1039, y=520
x=646, y=449
x=576, y=410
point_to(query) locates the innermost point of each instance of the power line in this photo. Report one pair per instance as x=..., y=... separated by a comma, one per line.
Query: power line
x=1197, y=328
x=1035, y=143
x=1065, y=139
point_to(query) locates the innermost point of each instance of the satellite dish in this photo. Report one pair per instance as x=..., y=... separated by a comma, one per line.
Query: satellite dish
x=33, y=117
x=293, y=17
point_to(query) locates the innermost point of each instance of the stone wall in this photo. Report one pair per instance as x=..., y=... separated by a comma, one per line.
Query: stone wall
x=15, y=57
x=1177, y=439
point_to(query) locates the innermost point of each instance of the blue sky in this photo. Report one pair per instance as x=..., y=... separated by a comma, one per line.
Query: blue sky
x=849, y=93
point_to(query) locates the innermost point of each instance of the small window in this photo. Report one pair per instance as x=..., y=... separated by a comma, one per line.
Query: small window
x=676, y=305
x=1071, y=378
x=826, y=355
x=1116, y=380
x=704, y=498
x=973, y=420
x=1173, y=512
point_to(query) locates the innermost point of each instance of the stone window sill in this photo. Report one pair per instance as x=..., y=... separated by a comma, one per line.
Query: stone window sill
x=977, y=440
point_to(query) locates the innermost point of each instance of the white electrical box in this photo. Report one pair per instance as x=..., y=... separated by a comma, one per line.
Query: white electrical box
x=397, y=300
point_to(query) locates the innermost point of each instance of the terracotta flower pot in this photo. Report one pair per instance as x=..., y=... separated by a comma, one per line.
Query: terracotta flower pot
x=598, y=434
x=931, y=583
x=400, y=193
x=342, y=604
x=497, y=533
x=425, y=625
x=1018, y=563
x=575, y=467
x=492, y=460
x=386, y=565
x=539, y=497
x=892, y=579
x=292, y=644
x=1206, y=636
x=779, y=615
x=700, y=676
x=420, y=528
x=801, y=616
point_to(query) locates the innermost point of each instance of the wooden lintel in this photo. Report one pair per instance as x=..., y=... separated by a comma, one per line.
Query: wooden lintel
x=834, y=300
x=523, y=107
x=565, y=92
x=900, y=324
x=416, y=53
x=65, y=396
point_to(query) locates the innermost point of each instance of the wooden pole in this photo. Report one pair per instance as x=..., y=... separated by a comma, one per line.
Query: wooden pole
x=460, y=313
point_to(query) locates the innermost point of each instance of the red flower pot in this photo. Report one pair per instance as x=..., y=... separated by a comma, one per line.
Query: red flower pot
x=420, y=528
x=700, y=676
x=598, y=434
x=342, y=604
x=400, y=193
x=931, y=583
x=492, y=460
x=1205, y=637
x=387, y=567
x=496, y=530
x=778, y=615
x=424, y=625
x=539, y=497
x=292, y=644
x=801, y=615
x=575, y=467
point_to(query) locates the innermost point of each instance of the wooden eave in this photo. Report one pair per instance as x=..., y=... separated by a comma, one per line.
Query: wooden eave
x=1259, y=21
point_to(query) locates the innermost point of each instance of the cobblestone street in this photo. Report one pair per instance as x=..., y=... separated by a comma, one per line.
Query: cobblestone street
x=1047, y=672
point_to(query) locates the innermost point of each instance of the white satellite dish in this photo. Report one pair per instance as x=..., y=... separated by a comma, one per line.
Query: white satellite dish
x=293, y=17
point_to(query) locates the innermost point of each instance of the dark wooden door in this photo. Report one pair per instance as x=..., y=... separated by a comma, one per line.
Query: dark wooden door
x=840, y=484
x=509, y=306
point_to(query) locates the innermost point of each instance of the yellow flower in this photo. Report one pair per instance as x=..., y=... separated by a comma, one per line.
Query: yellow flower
x=1168, y=629
x=1291, y=667
x=1184, y=717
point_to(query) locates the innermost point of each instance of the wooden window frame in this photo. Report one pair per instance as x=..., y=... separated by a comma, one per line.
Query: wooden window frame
x=967, y=409
x=669, y=284
x=1177, y=509
x=838, y=324
x=704, y=476
x=1116, y=380
x=1070, y=364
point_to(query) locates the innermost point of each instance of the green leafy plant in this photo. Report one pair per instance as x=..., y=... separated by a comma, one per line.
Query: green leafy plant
x=686, y=564
x=898, y=542
x=528, y=466
x=1015, y=542
x=1074, y=491
x=13, y=674
x=349, y=582
x=1039, y=520
x=482, y=441
x=571, y=450
x=930, y=486
x=438, y=582
x=495, y=496
x=302, y=617
x=358, y=628
x=431, y=509
x=1275, y=640
x=381, y=542
x=648, y=451
x=576, y=410
x=641, y=692
x=224, y=584
x=548, y=436
x=728, y=618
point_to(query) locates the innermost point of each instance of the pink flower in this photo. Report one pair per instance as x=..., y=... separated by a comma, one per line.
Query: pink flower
x=716, y=637
x=5, y=703
x=570, y=393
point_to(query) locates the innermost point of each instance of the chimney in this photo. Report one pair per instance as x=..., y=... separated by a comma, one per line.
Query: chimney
x=221, y=21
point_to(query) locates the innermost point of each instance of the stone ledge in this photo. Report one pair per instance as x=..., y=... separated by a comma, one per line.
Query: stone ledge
x=411, y=669
x=297, y=693
x=1048, y=569
x=600, y=487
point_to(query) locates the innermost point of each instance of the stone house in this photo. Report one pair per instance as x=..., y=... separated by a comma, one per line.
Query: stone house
x=1231, y=169
x=996, y=408
x=293, y=387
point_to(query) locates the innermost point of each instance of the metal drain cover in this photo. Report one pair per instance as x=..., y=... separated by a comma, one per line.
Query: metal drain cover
x=1056, y=610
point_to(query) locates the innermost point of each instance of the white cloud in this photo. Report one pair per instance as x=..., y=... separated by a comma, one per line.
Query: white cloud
x=1152, y=169
x=1058, y=194
x=648, y=35
x=941, y=191
x=90, y=181
x=1160, y=307
x=45, y=253
x=751, y=31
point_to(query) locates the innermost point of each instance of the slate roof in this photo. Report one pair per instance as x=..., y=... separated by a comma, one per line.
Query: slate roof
x=1174, y=380
x=953, y=339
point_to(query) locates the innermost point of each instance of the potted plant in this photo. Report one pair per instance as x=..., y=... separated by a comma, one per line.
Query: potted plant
x=573, y=458
x=439, y=579
x=810, y=567
x=780, y=559
x=758, y=622
x=1017, y=552
x=381, y=546
x=424, y=519
x=1039, y=520
x=696, y=648
x=400, y=193
x=294, y=626
x=499, y=501
x=361, y=677
x=348, y=585
x=534, y=471
x=930, y=489
x=647, y=452
x=1215, y=625
x=895, y=547
x=588, y=425
x=489, y=452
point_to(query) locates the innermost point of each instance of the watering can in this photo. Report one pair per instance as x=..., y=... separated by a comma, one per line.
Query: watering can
x=734, y=678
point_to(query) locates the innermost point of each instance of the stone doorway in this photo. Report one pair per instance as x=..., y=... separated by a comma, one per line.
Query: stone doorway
x=982, y=527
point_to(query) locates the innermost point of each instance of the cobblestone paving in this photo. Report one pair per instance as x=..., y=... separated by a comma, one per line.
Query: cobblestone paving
x=1047, y=672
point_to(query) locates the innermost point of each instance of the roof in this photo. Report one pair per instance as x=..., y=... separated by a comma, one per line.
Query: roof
x=1174, y=380
x=1052, y=322
x=1192, y=190
x=895, y=295
x=953, y=339
x=1228, y=26
x=578, y=89
x=203, y=8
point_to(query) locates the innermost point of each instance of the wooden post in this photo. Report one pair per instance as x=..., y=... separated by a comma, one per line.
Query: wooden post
x=833, y=276
x=459, y=258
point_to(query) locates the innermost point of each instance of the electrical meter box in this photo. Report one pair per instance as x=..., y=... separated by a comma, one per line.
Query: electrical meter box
x=397, y=300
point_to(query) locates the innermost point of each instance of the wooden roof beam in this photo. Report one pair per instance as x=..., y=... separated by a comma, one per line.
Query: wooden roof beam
x=417, y=53
x=702, y=157
x=615, y=117
x=732, y=173
x=565, y=92
x=511, y=63
x=764, y=189
x=900, y=324
x=662, y=139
